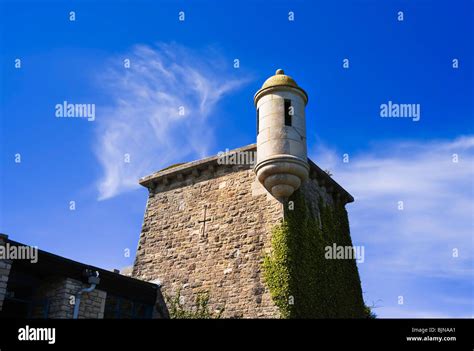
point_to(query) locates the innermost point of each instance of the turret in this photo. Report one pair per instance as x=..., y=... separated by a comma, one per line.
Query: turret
x=282, y=163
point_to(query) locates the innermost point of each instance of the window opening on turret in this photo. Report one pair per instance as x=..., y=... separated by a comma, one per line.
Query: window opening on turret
x=288, y=112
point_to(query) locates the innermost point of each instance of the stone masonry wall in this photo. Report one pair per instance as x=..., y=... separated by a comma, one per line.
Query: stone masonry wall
x=59, y=292
x=313, y=193
x=226, y=259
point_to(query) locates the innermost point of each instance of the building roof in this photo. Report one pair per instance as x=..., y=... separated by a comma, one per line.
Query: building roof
x=49, y=264
x=280, y=79
x=193, y=168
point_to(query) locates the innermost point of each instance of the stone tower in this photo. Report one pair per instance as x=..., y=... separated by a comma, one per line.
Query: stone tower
x=210, y=225
x=282, y=163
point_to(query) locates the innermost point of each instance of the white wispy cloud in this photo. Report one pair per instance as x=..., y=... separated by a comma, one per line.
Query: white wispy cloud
x=407, y=247
x=144, y=117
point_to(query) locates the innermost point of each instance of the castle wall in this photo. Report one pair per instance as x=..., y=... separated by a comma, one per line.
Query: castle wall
x=226, y=260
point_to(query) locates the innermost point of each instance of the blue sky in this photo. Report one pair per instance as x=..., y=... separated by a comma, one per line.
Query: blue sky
x=191, y=64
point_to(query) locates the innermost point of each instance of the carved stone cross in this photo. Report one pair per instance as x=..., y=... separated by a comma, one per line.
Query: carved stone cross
x=203, y=221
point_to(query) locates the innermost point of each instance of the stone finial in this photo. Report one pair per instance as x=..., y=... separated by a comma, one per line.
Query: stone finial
x=280, y=71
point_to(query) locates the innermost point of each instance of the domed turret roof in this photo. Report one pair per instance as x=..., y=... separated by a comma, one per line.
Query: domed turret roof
x=280, y=79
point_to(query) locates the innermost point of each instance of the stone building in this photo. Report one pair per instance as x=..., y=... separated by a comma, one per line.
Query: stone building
x=208, y=224
x=39, y=284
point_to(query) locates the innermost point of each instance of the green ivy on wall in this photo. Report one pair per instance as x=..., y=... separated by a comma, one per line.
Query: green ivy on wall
x=201, y=309
x=302, y=282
